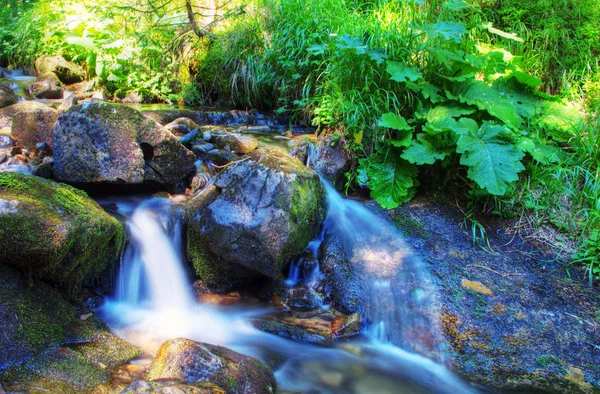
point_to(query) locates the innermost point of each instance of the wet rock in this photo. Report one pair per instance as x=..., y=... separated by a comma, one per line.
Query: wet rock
x=181, y=126
x=29, y=127
x=46, y=86
x=220, y=157
x=143, y=387
x=7, y=96
x=200, y=181
x=269, y=208
x=187, y=361
x=5, y=140
x=331, y=161
x=44, y=170
x=240, y=144
x=202, y=148
x=300, y=148
x=108, y=349
x=55, y=231
x=303, y=297
x=6, y=114
x=66, y=71
x=231, y=298
x=42, y=150
x=103, y=143
x=69, y=101
x=343, y=279
x=319, y=327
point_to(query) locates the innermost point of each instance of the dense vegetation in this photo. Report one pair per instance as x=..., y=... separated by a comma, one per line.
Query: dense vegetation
x=502, y=95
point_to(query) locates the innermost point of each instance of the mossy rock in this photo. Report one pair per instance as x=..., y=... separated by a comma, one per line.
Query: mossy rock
x=7, y=113
x=108, y=349
x=7, y=96
x=269, y=208
x=66, y=71
x=62, y=371
x=55, y=232
x=103, y=144
x=193, y=362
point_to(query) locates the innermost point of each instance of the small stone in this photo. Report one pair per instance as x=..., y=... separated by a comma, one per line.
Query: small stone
x=42, y=149
x=202, y=148
x=206, y=136
x=241, y=144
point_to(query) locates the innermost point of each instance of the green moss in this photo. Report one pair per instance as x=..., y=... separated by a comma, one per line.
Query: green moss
x=109, y=350
x=56, y=232
x=406, y=223
x=60, y=371
x=546, y=360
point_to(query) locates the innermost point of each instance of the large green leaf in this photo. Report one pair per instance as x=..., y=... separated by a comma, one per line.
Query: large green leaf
x=526, y=103
x=400, y=73
x=422, y=151
x=441, y=118
x=493, y=160
x=457, y=5
x=449, y=31
x=392, y=180
x=487, y=98
x=394, y=121
x=563, y=121
x=545, y=154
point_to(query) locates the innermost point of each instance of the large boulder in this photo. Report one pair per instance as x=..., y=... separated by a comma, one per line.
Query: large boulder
x=45, y=346
x=7, y=96
x=55, y=232
x=66, y=71
x=104, y=143
x=6, y=114
x=269, y=208
x=187, y=361
x=30, y=127
x=46, y=86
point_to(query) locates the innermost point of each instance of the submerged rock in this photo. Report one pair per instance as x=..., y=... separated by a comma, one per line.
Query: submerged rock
x=103, y=143
x=46, y=86
x=186, y=361
x=7, y=96
x=54, y=231
x=269, y=208
x=66, y=71
x=29, y=127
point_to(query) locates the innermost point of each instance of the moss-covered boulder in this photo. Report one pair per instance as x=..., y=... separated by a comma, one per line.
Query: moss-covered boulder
x=7, y=96
x=66, y=71
x=37, y=325
x=269, y=208
x=54, y=231
x=45, y=86
x=102, y=143
x=192, y=362
x=30, y=127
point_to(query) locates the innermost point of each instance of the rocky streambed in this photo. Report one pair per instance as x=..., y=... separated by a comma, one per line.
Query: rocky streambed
x=283, y=283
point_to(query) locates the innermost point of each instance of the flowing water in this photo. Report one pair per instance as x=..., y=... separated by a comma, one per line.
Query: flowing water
x=154, y=302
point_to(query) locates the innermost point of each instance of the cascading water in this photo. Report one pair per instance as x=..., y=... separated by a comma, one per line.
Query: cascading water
x=154, y=302
x=151, y=271
x=401, y=300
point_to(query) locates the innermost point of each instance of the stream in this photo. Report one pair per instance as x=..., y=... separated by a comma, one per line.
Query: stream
x=154, y=302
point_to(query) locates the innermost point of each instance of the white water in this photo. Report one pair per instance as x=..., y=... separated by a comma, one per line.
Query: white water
x=154, y=302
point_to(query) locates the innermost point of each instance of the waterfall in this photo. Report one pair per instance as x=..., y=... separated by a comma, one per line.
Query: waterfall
x=400, y=296
x=152, y=272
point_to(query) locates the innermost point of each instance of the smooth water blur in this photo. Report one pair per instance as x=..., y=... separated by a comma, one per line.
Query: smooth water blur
x=402, y=300
x=154, y=303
